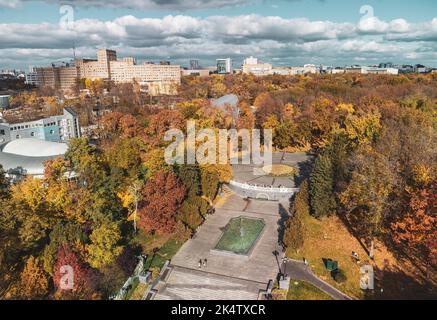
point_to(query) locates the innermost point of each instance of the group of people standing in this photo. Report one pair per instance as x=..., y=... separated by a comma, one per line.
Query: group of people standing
x=203, y=263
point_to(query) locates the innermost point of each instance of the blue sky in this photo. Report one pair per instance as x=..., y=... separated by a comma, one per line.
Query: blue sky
x=289, y=32
x=333, y=10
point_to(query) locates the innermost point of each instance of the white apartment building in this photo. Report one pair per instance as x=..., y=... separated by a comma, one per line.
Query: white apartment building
x=337, y=71
x=377, y=70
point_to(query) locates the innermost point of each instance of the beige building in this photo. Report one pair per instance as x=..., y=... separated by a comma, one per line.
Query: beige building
x=57, y=77
x=251, y=65
x=107, y=67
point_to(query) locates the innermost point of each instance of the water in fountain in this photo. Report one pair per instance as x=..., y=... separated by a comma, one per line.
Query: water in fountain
x=241, y=228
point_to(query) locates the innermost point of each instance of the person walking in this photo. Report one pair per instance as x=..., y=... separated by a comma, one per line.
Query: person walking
x=205, y=263
x=200, y=264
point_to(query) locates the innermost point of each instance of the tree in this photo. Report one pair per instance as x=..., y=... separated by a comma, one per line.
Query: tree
x=4, y=185
x=154, y=161
x=363, y=129
x=267, y=106
x=125, y=158
x=62, y=232
x=34, y=282
x=246, y=119
x=322, y=186
x=84, y=279
x=160, y=123
x=103, y=249
x=284, y=134
x=162, y=197
x=417, y=229
x=31, y=193
x=271, y=123
x=86, y=162
x=367, y=197
x=194, y=207
x=210, y=180
x=96, y=86
x=293, y=235
x=129, y=126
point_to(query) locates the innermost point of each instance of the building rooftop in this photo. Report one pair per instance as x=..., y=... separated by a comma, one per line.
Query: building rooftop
x=230, y=99
x=29, y=147
x=22, y=164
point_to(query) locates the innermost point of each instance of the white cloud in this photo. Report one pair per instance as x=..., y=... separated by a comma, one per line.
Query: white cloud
x=180, y=37
x=10, y=3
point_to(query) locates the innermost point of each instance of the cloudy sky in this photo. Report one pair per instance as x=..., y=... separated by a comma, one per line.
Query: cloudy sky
x=283, y=32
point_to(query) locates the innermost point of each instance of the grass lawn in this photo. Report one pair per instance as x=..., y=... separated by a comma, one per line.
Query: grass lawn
x=301, y=290
x=149, y=242
x=329, y=238
x=280, y=170
x=166, y=252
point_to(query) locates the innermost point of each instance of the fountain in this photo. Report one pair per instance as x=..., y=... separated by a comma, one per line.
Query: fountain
x=241, y=228
x=240, y=235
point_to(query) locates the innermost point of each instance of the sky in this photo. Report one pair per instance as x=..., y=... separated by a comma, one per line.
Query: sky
x=281, y=32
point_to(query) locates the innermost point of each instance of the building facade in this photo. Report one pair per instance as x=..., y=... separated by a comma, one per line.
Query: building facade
x=224, y=66
x=194, y=64
x=32, y=77
x=59, y=128
x=62, y=78
x=4, y=101
x=253, y=66
x=378, y=70
x=195, y=72
x=108, y=68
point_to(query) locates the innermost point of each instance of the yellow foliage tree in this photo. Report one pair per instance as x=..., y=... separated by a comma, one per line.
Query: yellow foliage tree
x=30, y=192
x=34, y=282
x=363, y=129
x=103, y=249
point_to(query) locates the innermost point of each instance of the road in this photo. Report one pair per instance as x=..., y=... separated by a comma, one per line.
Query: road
x=297, y=270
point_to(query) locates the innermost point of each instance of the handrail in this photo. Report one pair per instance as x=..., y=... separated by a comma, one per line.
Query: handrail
x=247, y=186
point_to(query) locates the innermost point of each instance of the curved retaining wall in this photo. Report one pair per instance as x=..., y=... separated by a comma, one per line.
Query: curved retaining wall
x=260, y=192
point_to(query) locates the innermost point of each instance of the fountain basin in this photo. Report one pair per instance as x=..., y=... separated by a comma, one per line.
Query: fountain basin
x=239, y=236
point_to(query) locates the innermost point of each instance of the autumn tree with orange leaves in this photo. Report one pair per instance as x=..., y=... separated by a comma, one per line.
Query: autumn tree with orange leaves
x=162, y=198
x=417, y=230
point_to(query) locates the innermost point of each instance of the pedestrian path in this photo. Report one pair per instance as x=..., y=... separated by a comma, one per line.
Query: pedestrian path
x=298, y=270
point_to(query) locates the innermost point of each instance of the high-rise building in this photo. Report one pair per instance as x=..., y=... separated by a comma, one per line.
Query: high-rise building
x=108, y=68
x=194, y=64
x=224, y=66
x=32, y=77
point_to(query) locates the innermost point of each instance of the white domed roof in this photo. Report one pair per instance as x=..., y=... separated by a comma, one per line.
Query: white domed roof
x=35, y=148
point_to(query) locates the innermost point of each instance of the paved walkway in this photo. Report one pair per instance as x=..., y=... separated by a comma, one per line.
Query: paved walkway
x=261, y=266
x=297, y=270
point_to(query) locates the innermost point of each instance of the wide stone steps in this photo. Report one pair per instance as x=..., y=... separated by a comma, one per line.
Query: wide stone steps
x=186, y=293
x=192, y=285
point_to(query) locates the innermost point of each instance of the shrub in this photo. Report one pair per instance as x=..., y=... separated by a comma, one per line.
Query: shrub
x=339, y=276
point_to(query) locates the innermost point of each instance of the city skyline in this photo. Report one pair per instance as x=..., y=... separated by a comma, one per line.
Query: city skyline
x=279, y=32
